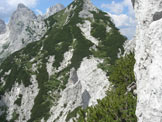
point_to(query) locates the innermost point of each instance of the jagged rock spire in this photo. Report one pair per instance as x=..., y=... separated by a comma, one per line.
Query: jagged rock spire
x=18, y=19
x=22, y=11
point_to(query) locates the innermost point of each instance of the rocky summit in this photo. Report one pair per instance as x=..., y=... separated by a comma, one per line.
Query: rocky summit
x=64, y=66
x=24, y=27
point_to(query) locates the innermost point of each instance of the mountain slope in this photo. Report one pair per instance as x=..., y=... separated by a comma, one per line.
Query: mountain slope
x=60, y=72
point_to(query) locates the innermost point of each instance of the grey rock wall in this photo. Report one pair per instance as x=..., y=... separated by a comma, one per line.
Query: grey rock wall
x=2, y=27
x=148, y=55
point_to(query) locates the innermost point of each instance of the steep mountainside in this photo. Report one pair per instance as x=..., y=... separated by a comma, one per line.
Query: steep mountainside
x=148, y=54
x=24, y=27
x=63, y=71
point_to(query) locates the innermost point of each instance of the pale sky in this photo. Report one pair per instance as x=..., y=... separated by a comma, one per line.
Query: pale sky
x=120, y=10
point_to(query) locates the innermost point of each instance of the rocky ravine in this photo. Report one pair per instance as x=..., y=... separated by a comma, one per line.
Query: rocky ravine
x=148, y=54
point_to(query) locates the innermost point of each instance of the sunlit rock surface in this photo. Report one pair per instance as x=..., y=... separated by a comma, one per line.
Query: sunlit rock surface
x=148, y=54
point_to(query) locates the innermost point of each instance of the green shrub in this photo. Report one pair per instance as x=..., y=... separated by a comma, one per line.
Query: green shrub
x=72, y=114
x=117, y=106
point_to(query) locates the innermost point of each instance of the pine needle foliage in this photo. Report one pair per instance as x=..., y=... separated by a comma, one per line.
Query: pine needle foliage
x=117, y=106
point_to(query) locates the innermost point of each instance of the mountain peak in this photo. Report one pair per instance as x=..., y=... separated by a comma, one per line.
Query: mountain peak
x=87, y=8
x=83, y=0
x=54, y=9
x=22, y=12
x=21, y=5
x=19, y=18
x=21, y=8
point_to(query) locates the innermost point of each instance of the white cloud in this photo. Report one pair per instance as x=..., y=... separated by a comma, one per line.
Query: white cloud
x=8, y=6
x=129, y=31
x=126, y=23
x=122, y=20
x=14, y=3
x=128, y=3
x=118, y=7
x=39, y=12
x=123, y=15
x=113, y=7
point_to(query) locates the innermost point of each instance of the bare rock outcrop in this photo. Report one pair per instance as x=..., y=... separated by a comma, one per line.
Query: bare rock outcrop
x=148, y=55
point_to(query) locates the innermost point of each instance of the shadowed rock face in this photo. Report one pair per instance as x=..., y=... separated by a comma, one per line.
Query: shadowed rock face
x=2, y=27
x=157, y=16
x=73, y=76
x=133, y=2
x=85, y=99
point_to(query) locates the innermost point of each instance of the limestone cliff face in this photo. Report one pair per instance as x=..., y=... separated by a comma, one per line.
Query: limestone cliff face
x=148, y=54
x=25, y=27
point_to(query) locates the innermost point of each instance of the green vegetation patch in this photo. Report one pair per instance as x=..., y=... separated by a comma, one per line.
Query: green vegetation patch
x=110, y=42
x=18, y=101
x=81, y=49
x=117, y=106
x=49, y=93
x=72, y=113
x=41, y=103
x=14, y=116
x=4, y=114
